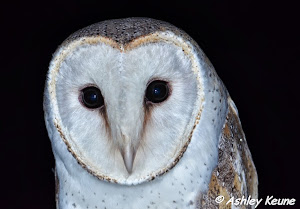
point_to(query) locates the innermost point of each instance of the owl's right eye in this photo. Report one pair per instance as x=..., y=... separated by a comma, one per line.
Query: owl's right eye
x=91, y=97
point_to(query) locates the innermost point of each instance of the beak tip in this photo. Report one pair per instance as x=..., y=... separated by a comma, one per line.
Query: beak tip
x=128, y=157
x=129, y=170
x=128, y=164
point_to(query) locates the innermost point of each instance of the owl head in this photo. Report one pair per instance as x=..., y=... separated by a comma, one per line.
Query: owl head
x=125, y=96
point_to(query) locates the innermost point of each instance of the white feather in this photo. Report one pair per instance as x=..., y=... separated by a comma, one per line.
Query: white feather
x=122, y=78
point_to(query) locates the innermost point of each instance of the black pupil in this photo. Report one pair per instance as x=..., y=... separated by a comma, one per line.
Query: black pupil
x=157, y=91
x=92, y=97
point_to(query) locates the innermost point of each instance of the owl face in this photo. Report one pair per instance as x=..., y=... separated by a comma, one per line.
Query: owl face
x=126, y=112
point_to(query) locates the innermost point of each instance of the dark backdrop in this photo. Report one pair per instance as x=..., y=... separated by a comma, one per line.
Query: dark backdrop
x=252, y=45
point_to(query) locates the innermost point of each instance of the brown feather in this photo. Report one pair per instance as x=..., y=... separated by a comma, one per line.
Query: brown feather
x=226, y=180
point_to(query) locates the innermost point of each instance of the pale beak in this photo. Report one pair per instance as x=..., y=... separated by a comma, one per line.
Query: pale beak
x=128, y=154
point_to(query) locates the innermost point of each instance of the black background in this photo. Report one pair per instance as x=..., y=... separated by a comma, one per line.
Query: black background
x=252, y=44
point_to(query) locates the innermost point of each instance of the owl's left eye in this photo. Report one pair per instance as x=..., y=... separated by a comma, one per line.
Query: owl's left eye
x=91, y=97
x=157, y=91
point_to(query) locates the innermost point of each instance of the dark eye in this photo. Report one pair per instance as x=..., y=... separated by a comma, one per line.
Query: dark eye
x=157, y=91
x=91, y=97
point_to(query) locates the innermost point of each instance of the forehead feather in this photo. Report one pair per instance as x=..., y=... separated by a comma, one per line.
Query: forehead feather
x=124, y=31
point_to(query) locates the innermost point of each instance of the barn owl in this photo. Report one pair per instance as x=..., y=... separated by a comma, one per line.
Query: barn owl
x=138, y=118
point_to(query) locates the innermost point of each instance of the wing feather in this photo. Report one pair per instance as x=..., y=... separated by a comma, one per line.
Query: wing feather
x=235, y=175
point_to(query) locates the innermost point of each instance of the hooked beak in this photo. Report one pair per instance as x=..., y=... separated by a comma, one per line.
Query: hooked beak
x=128, y=154
x=128, y=157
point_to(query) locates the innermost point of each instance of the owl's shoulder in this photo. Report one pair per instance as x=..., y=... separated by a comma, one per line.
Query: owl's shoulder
x=235, y=174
